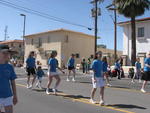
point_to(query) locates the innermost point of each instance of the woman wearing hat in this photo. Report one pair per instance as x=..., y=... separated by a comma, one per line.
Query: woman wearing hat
x=8, y=94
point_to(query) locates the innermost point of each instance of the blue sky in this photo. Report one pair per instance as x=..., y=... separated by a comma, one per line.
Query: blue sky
x=76, y=11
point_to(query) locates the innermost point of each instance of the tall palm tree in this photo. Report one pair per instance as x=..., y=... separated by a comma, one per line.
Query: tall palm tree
x=132, y=9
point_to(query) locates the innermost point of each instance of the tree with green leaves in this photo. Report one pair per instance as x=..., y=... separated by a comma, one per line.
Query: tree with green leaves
x=132, y=9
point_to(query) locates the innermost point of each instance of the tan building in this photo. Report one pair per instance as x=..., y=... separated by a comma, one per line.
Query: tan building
x=16, y=45
x=65, y=42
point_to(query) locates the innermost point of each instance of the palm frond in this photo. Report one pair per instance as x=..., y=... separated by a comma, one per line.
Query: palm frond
x=130, y=8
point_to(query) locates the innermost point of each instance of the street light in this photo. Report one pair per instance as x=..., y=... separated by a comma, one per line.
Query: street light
x=24, y=25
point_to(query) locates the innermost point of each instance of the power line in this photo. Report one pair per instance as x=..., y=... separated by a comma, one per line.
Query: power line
x=34, y=10
x=41, y=14
x=37, y=3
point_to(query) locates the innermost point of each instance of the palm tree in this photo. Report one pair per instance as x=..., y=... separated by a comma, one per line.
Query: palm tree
x=132, y=9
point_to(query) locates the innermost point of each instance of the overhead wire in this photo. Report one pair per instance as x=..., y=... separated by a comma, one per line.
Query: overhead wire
x=41, y=14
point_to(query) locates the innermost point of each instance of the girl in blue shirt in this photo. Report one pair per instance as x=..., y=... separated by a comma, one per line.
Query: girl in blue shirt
x=31, y=66
x=117, y=68
x=138, y=70
x=71, y=67
x=8, y=94
x=52, y=72
x=105, y=71
x=146, y=76
x=39, y=74
x=98, y=78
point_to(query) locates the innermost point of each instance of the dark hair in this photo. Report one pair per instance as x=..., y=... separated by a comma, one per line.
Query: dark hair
x=137, y=58
x=53, y=53
x=95, y=56
x=117, y=60
x=30, y=54
x=72, y=55
x=39, y=67
x=97, y=53
x=83, y=59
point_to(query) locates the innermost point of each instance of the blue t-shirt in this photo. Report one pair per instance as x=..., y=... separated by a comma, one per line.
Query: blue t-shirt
x=117, y=65
x=6, y=75
x=147, y=61
x=40, y=73
x=105, y=65
x=138, y=65
x=71, y=62
x=30, y=62
x=53, y=63
x=97, y=67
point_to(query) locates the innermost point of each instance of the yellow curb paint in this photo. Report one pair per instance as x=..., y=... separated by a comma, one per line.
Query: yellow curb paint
x=21, y=85
x=86, y=101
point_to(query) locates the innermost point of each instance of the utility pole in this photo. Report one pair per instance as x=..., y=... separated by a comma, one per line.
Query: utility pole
x=95, y=13
x=95, y=26
x=115, y=28
x=115, y=34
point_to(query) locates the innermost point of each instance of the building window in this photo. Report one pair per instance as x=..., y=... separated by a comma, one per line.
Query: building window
x=141, y=32
x=77, y=55
x=32, y=41
x=66, y=38
x=49, y=39
x=40, y=42
x=12, y=44
x=19, y=45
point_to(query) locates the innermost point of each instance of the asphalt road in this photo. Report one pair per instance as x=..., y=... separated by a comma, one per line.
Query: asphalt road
x=122, y=97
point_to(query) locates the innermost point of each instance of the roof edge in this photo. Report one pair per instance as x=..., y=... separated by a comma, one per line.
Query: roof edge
x=11, y=41
x=64, y=30
x=137, y=20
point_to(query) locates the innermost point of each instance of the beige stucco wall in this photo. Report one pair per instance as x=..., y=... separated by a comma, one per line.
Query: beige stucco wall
x=77, y=43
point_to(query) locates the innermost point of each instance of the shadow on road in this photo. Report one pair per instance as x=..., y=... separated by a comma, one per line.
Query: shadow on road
x=76, y=97
x=60, y=93
x=127, y=106
x=86, y=82
x=44, y=89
